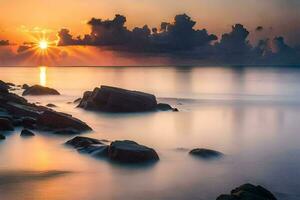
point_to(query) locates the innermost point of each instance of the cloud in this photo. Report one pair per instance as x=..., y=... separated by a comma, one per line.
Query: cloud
x=179, y=35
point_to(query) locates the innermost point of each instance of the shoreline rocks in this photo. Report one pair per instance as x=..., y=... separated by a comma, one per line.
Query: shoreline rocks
x=16, y=111
x=120, y=151
x=2, y=137
x=37, y=90
x=119, y=100
x=27, y=133
x=205, y=153
x=248, y=192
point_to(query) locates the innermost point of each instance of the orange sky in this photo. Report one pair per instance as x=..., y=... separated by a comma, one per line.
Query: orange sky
x=20, y=18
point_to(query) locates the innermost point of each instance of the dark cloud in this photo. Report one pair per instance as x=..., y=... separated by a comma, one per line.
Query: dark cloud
x=4, y=42
x=177, y=36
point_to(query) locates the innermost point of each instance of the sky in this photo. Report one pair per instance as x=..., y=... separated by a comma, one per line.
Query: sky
x=22, y=20
x=17, y=17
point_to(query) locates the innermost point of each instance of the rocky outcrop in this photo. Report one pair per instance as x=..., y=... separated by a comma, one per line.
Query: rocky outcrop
x=113, y=99
x=16, y=111
x=2, y=137
x=248, y=192
x=205, y=153
x=40, y=90
x=26, y=133
x=51, y=120
x=6, y=124
x=120, y=151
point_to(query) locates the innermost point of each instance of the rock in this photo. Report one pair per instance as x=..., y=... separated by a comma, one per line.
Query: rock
x=67, y=131
x=121, y=151
x=83, y=142
x=25, y=86
x=205, y=153
x=3, y=87
x=40, y=90
x=2, y=137
x=28, y=122
x=27, y=133
x=248, y=192
x=22, y=110
x=112, y=99
x=131, y=152
x=51, y=121
x=175, y=110
x=6, y=125
x=164, y=107
x=50, y=105
x=77, y=100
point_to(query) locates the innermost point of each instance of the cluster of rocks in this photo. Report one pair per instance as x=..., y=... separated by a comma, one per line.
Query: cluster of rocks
x=248, y=192
x=125, y=151
x=113, y=99
x=15, y=111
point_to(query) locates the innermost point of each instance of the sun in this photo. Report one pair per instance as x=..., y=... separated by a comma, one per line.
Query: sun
x=43, y=44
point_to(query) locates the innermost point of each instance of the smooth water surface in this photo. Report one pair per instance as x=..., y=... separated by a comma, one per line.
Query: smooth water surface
x=250, y=114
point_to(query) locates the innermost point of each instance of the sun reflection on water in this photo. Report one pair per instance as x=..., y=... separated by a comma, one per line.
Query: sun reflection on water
x=43, y=75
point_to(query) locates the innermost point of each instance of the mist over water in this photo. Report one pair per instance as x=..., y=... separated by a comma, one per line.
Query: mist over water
x=250, y=114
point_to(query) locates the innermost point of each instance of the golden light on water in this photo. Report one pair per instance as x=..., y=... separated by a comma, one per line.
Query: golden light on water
x=43, y=75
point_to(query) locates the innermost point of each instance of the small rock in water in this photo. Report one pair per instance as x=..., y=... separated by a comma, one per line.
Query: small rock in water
x=164, y=107
x=81, y=142
x=25, y=86
x=27, y=133
x=51, y=105
x=248, y=192
x=77, y=100
x=2, y=137
x=5, y=124
x=40, y=90
x=205, y=153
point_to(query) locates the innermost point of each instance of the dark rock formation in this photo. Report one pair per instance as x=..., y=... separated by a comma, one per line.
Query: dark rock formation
x=51, y=105
x=25, y=86
x=2, y=137
x=4, y=87
x=27, y=133
x=40, y=90
x=121, y=151
x=77, y=100
x=66, y=131
x=205, y=153
x=165, y=107
x=51, y=120
x=248, y=192
x=6, y=125
x=112, y=99
x=16, y=111
x=131, y=152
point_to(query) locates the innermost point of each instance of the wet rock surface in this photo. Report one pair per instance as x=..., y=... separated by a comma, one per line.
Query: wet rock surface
x=113, y=99
x=120, y=151
x=15, y=111
x=40, y=90
x=248, y=192
x=27, y=133
x=205, y=153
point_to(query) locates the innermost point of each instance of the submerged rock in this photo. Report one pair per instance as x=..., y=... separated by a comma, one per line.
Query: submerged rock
x=6, y=125
x=25, y=86
x=113, y=99
x=51, y=105
x=248, y=192
x=40, y=90
x=165, y=107
x=205, y=153
x=131, y=152
x=2, y=137
x=27, y=133
x=121, y=151
x=51, y=120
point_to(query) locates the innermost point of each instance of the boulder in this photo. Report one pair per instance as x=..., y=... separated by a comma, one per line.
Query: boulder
x=121, y=151
x=77, y=100
x=165, y=107
x=205, y=153
x=51, y=121
x=51, y=105
x=40, y=90
x=131, y=152
x=25, y=86
x=6, y=125
x=28, y=122
x=3, y=87
x=2, y=137
x=112, y=99
x=27, y=133
x=248, y=192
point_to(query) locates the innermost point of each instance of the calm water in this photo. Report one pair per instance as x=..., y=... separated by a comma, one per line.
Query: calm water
x=250, y=114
